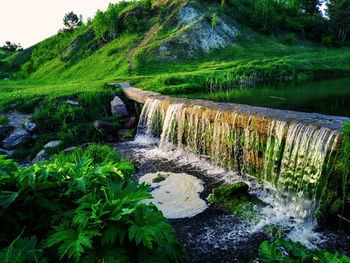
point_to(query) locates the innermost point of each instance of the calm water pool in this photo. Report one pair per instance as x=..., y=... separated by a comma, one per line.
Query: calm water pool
x=331, y=97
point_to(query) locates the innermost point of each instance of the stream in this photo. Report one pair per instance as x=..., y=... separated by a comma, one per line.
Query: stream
x=212, y=235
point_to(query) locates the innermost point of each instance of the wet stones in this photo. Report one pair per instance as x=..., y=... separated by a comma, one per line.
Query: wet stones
x=15, y=139
x=236, y=200
x=30, y=127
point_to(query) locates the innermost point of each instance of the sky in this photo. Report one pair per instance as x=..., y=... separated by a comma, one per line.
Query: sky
x=29, y=22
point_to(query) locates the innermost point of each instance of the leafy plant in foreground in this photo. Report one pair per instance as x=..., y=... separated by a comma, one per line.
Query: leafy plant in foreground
x=79, y=212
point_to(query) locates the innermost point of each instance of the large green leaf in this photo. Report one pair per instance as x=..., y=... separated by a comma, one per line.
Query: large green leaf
x=7, y=197
x=269, y=253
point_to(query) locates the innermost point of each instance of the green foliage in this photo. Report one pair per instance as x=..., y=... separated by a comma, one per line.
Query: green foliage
x=71, y=21
x=288, y=39
x=213, y=20
x=345, y=166
x=271, y=252
x=72, y=210
x=3, y=120
x=55, y=116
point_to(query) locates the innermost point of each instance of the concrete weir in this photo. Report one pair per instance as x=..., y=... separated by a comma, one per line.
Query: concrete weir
x=294, y=151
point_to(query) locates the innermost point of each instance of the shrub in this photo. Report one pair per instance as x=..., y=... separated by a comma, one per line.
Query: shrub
x=79, y=212
x=72, y=123
x=288, y=39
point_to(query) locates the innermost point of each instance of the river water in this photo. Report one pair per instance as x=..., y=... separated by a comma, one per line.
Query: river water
x=331, y=97
x=213, y=235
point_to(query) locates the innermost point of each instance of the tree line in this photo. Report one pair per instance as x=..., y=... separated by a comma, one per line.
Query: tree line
x=303, y=17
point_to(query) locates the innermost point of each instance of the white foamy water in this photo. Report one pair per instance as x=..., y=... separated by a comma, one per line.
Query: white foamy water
x=177, y=195
x=146, y=148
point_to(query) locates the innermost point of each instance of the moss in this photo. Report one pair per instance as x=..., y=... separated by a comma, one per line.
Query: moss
x=235, y=199
x=229, y=192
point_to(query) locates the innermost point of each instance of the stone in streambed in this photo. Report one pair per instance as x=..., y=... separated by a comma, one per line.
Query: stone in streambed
x=236, y=200
x=229, y=191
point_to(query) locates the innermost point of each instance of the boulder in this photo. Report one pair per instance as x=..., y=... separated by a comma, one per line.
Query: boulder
x=69, y=150
x=131, y=123
x=5, y=152
x=72, y=102
x=5, y=131
x=52, y=144
x=42, y=155
x=15, y=139
x=104, y=125
x=30, y=127
x=118, y=107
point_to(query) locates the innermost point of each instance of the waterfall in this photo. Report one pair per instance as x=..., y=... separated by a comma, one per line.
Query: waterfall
x=292, y=157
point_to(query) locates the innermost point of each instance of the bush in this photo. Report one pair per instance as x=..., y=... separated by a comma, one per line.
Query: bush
x=79, y=212
x=72, y=123
x=288, y=39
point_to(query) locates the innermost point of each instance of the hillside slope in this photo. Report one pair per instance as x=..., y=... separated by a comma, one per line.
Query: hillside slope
x=177, y=47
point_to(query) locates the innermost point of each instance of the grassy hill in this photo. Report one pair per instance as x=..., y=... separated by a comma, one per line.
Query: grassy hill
x=172, y=48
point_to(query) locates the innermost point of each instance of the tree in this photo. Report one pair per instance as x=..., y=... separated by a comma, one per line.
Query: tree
x=147, y=7
x=112, y=20
x=71, y=21
x=11, y=47
x=339, y=14
x=101, y=25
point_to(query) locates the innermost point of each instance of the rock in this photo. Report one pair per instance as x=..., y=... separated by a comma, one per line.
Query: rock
x=5, y=152
x=52, y=144
x=230, y=191
x=72, y=102
x=42, y=155
x=5, y=130
x=30, y=126
x=121, y=85
x=104, y=125
x=70, y=149
x=195, y=35
x=15, y=139
x=131, y=123
x=118, y=107
x=84, y=145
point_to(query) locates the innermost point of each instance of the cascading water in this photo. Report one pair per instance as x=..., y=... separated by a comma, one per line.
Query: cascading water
x=291, y=157
x=180, y=137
